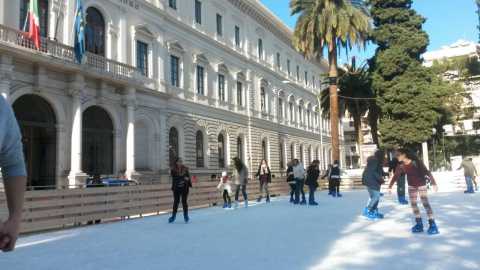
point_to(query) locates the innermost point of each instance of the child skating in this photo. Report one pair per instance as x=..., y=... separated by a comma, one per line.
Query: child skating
x=225, y=186
x=417, y=175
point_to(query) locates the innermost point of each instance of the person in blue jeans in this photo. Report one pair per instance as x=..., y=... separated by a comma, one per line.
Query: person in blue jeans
x=313, y=172
x=299, y=176
x=470, y=172
x=14, y=175
x=372, y=178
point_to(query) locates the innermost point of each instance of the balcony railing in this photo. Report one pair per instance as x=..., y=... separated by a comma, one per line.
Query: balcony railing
x=51, y=48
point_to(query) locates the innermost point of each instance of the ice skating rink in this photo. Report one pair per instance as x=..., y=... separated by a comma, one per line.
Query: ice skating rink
x=275, y=236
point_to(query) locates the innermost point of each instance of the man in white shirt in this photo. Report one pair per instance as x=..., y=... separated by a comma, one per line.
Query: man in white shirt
x=299, y=176
x=14, y=175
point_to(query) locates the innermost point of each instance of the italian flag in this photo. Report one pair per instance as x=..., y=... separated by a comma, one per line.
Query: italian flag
x=34, y=23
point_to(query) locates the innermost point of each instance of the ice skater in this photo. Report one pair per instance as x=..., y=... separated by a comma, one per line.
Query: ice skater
x=417, y=175
x=334, y=179
x=291, y=180
x=241, y=180
x=470, y=172
x=394, y=163
x=181, y=184
x=225, y=186
x=299, y=176
x=313, y=172
x=372, y=178
x=264, y=177
x=14, y=175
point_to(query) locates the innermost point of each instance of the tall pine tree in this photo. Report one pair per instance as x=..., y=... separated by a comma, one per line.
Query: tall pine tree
x=410, y=98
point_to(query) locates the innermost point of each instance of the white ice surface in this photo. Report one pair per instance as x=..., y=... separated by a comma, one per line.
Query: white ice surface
x=276, y=236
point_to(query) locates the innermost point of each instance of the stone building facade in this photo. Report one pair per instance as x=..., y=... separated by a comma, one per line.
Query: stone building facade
x=206, y=80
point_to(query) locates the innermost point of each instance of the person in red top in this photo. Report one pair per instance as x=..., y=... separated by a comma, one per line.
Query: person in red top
x=417, y=175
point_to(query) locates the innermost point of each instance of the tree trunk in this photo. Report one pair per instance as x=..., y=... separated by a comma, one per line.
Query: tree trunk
x=334, y=113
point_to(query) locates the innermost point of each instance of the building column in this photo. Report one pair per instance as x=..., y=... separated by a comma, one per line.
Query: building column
x=130, y=103
x=425, y=154
x=76, y=176
x=163, y=140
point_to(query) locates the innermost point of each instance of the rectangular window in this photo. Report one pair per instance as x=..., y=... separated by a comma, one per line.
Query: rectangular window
x=278, y=60
x=237, y=36
x=172, y=4
x=198, y=12
x=306, y=78
x=313, y=82
x=280, y=108
x=291, y=112
x=142, y=57
x=288, y=67
x=219, y=25
x=239, y=94
x=260, y=48
x=43, y=16
x=298, y=73
x=221, y=87
x=174, y=70
x=200, y=80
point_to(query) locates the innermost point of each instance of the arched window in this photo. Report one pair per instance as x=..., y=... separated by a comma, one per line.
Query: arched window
x=173, y=149
x=263, y=99
x=264, y=149
x=281, y=155
x=95, y=32
x=221, y=151
x=240, y=148
x=199, y=150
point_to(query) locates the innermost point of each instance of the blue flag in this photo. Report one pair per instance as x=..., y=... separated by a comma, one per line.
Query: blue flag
x=79, y=44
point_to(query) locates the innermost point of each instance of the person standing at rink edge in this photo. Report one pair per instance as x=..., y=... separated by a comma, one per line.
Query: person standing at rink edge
x=14, y=175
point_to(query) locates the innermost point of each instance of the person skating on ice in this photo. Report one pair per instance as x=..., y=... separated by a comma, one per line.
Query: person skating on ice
x=12, y=165
x=334, y=179
x=299, y=176
x=241, y=180
x=372, y=178
x=313, y=172
x=417, y=175
x=392, y=166
x=181, y=184
x=291, y=180
x=224, y=185
x=264, y=177
x=330, y=182
x=470, y=172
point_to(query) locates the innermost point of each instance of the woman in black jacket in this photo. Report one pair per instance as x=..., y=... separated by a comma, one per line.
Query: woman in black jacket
x=181, y=185
x=372, y=178
x=264, y=177
x=291, y=180
x=313, y=172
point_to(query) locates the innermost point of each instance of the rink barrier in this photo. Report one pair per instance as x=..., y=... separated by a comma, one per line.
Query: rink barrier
x=64, y=208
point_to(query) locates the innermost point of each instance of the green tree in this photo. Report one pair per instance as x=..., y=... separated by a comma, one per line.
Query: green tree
x=330, y=25
x=409, y=97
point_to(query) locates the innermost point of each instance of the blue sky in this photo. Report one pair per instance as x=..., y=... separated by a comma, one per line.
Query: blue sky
x=447, y=21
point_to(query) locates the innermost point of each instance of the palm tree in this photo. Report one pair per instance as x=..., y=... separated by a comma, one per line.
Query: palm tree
x=356, y=96
x=330, y=25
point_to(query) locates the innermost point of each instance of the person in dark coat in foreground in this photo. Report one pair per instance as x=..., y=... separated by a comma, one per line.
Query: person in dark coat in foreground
x=181, y=184
x=372, y=178
x=313, y=172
